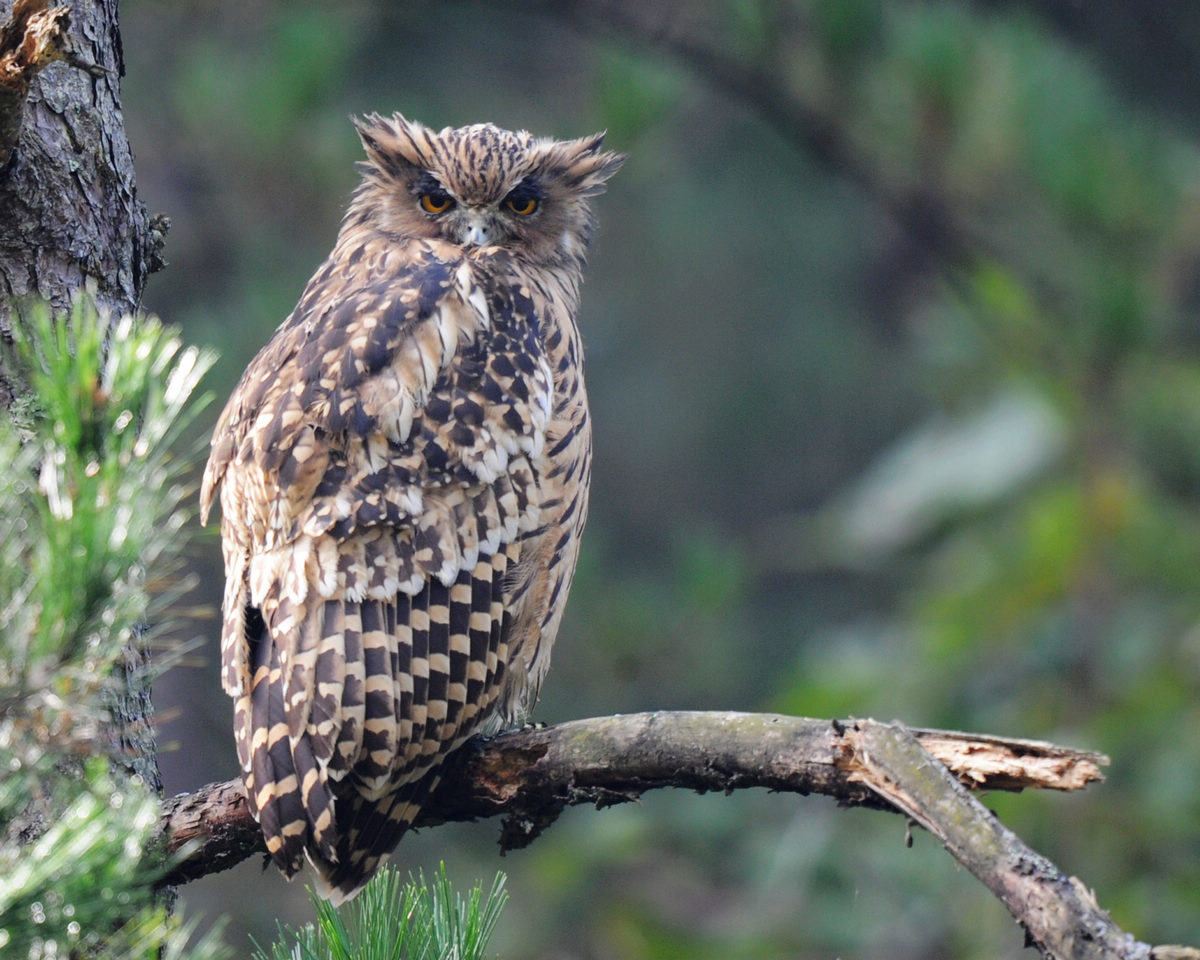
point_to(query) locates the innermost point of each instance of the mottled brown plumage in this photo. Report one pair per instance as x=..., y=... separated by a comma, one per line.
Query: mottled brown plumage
x=403, y=473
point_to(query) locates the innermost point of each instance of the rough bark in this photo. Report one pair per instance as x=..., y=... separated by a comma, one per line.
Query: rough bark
x=35, y=36
x=71, y=217
x=71, y=221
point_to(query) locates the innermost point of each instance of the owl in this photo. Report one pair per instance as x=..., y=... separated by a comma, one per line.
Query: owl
x=403, y=473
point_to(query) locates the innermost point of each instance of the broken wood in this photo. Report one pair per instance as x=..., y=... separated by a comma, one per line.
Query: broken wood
x=1060, y=915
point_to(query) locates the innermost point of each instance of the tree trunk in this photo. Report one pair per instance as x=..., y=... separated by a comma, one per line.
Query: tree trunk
x=71, y=221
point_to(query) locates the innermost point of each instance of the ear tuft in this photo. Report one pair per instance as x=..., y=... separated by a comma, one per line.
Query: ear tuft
x=587, y=167
x=394, y=145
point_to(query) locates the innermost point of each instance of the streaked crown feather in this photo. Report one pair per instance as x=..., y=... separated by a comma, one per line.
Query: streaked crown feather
x=482, y=162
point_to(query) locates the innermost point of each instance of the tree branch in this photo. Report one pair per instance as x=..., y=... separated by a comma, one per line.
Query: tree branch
x=530, y=776
x=1060, y=915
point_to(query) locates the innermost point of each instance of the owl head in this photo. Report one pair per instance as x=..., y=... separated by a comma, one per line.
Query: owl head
x=481, y=186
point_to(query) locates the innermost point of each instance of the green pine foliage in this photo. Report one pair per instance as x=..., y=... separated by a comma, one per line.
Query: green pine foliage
x=90, y=501
x=396, y=920
x=92, y=498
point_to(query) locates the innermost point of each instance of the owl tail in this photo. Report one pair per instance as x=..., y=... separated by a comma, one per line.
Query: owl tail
x=368, y=831
x=287, y=790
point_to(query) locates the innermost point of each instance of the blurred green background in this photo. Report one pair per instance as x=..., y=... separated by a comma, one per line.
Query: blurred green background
x=895, y=372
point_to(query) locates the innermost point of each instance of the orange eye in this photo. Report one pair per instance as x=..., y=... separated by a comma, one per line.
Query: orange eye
x=436, y=202
x=521, y=206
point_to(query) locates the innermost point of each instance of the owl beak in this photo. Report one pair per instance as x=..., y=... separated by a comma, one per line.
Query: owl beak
x=477, y=232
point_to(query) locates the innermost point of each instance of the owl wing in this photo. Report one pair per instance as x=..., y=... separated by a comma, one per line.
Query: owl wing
x=377, y=466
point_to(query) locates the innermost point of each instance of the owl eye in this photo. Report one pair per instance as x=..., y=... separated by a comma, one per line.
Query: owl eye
x=436, y=201
x=522, y=206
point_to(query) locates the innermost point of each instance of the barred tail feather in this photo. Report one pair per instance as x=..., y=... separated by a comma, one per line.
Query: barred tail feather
x=284, y=783
x=325, y=712
x=373, y=770
x=393, y=686
x=368, y=831
x=349, y=742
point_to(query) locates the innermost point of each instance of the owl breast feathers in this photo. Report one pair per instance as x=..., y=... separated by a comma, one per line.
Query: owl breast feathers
x=403, y=474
